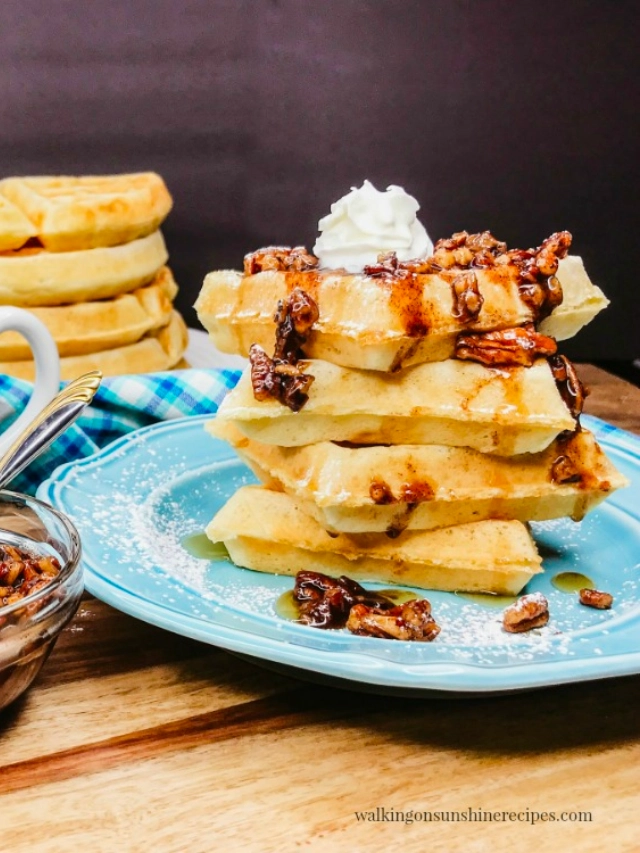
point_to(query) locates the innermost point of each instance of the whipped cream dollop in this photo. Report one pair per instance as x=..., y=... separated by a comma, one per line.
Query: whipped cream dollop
x=365, y=223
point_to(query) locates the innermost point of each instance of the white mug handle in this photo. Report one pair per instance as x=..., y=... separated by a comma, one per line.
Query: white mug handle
x=47, y=361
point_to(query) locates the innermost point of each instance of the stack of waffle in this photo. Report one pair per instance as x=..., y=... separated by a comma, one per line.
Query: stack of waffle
x=86, y=256
x=411, y=418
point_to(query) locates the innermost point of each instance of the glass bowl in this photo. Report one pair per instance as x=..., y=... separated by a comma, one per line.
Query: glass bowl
x=30, y=627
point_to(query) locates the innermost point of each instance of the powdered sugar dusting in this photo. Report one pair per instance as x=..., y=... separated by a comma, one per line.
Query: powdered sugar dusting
x=134, y=511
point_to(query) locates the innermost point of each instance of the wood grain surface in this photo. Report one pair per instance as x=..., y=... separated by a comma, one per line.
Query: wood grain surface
x=133, y=739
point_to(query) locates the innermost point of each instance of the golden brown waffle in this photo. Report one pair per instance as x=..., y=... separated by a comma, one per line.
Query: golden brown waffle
x=455, y=403
x=363, y=319
x=87, y=327
x=268, y=532
x=35, y=277
x=74, y=213
x=15, y=227
x=159, y=350
x=419, y=487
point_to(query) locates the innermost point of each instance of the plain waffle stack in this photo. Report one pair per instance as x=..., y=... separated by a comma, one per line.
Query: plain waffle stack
x=85, y=254
x=424, y=470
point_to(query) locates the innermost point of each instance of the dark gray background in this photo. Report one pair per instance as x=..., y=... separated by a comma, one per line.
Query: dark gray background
x=517, y=116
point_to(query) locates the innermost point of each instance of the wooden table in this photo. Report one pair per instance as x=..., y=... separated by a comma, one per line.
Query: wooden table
x=135, y=739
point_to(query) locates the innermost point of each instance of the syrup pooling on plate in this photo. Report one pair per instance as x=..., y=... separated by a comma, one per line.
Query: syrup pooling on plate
x=571, y=581
x=199, y=545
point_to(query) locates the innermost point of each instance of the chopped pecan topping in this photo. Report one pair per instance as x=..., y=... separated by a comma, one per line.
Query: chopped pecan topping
x=483, y=259
x=541, y=296
x=280, y=259
x=571, y=389
x=263, y=375
x=326, y=602
x=409, y=621
x=22, y=574
x=467, y=299
x=449, y=244
x=464, y=250
x=595, y=598
x=536, y=268
x=388, y=266
x=508, y=347
x=485, y=242
x=528, y=612
x=563, y=471
x=280, y=380
x=551, y=251
x=294, y=318
x=538, y=284
x=281, y=377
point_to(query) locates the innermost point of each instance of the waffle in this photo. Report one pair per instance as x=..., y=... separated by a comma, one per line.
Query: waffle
x=15, y=228
x=268, y=531
x=363, y=320
x=582, y=301
x=35, y=277
x=159, y=350
x=378, y=489
x=102, y=324
x=75, y=213
x=454, y=403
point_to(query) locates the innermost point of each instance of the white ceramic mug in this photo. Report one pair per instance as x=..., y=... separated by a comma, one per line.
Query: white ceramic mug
x=47, y=361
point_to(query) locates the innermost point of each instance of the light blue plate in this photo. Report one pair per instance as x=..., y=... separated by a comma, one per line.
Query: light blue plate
x=136, y=501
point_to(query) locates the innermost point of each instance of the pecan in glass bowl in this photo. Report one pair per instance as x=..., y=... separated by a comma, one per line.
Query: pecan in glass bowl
x=40, y=587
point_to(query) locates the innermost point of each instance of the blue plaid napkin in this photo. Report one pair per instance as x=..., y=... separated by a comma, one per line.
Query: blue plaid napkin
x=121, y=404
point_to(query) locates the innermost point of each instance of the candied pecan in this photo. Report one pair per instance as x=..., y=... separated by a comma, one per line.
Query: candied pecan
x=294, y=318
x=528, y=612
x=485, y=242
x=596, y=598
x=454, y=242
x=281, y=377
x=483, y=258
x=280, y=259
x=386, y=265
x=22, y=573
x=278, y=379
x=571, y=389
x=304, y=312
x=541, y=296
x=420, y=266
x=539, y=287
x=465, y=250
x=409, y=621
x=444, y=258
x=325, y=602
x=554, y=294
x=295, y=388
x=551, y=251
x=263, y=378
x=467, y=299
x=563, y=471
x=507, y=347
